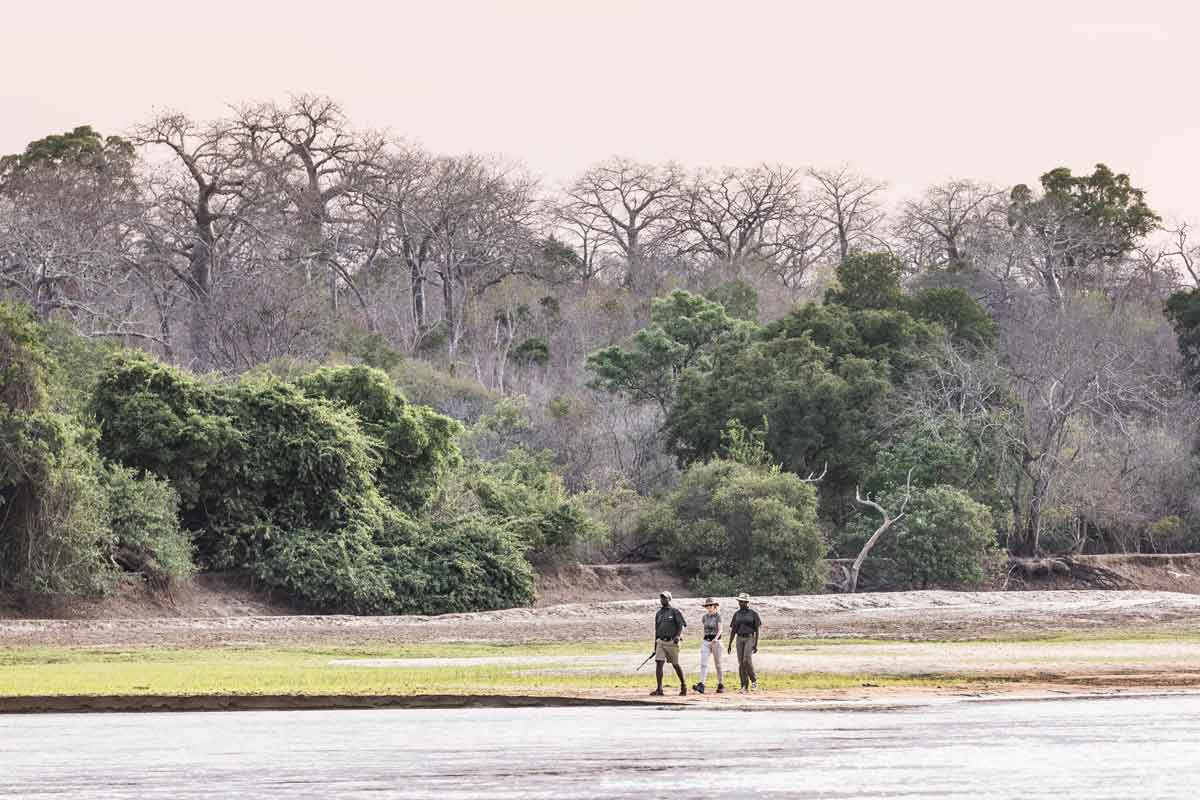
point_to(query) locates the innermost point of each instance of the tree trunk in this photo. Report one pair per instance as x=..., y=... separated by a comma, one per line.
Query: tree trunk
x=856, y=567
x=200, y=272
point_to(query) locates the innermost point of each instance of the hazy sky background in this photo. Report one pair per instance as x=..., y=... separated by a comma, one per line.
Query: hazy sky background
x=910, y=92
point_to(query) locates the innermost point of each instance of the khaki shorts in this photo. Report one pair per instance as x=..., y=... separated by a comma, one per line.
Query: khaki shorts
x=667, y=651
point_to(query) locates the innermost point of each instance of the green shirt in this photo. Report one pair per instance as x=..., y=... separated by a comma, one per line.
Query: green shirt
x=669, y=623
x=745, y=622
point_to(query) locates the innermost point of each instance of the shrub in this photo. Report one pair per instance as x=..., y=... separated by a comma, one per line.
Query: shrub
x=54, y=532
x=522, y=492
x=147, y=537
x=282, y=480
x=534, y=350
x=466, y=563
x=416, y=445
x=343, y=572
x=735, y=527
x=944, y=539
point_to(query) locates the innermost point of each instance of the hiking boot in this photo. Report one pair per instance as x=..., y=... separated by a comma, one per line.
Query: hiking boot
x=682, y=690
x=698, y=688
x=657, y=693
x=754, y=686
x=720, y=688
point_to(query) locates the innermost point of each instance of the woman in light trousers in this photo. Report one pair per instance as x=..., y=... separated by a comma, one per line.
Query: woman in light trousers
x=711, y=645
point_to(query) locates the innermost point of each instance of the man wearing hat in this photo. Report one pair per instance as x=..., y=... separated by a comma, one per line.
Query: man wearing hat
x=744, y=628
x=668, y=628
x=711, y=645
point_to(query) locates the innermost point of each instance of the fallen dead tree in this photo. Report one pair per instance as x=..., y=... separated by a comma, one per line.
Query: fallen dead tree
x=1066, y=567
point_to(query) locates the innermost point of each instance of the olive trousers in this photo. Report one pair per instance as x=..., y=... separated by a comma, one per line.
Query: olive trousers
x=745, y=654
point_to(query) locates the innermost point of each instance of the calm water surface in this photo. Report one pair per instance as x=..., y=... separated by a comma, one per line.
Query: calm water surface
x=1112, y=748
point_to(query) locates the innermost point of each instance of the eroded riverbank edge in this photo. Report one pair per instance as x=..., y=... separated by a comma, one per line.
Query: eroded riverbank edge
x=870, y=700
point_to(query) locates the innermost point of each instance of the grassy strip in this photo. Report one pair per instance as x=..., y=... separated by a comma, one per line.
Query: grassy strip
x=68, y=671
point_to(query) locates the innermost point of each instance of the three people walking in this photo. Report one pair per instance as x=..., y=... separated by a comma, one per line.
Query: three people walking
x=744, y=627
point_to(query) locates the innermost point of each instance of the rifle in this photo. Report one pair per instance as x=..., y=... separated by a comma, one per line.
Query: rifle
x=644, y=663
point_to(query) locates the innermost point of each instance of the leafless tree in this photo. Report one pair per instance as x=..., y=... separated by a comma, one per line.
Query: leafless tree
x=888, y=521
x=198, y=206
x=1087, y=361
x=585, y=232
x=731, y=215
x=309, y=153
x=69, y=244
x=945, y=228
x=632, y=205
x=850, y=205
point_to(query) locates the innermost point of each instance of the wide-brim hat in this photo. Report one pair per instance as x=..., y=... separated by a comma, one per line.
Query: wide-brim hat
x=710, y=601
x=666, y=595
x=743, y=598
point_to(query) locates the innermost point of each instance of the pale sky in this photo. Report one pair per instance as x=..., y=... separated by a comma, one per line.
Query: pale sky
x=911, y=91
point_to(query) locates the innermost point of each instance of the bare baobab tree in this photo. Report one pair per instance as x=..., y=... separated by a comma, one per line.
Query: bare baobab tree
x=632, y=205
x=197, y=207
x=943, y=228
x=312, y=157
x=736, y=215
x=850, y=204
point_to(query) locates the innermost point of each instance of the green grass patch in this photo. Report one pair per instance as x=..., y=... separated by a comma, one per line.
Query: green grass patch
x=263, y=670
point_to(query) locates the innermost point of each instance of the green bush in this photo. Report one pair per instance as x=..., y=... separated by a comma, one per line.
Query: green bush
x=144, y=518
x=534, y=350
x=54, y=533
x=160, y=420
x=944, y=539
x=285, y=479
x=735, y=527
x=466, y=563
x=416, y=444
x=524, y=494
x=57, y=540
x=341, y=572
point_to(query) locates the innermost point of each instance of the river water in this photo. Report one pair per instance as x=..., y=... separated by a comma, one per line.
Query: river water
x=1145, y=747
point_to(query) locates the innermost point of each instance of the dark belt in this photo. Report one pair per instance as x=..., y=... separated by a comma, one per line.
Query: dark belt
x=711, y=638
x=668, y=639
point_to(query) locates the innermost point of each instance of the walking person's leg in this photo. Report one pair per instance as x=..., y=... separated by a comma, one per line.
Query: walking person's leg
x=744, y=644
x=716, y=653
x=746, y=662
x=703, y=661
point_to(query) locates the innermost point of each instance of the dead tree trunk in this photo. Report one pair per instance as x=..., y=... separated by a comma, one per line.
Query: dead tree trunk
x=888, y=522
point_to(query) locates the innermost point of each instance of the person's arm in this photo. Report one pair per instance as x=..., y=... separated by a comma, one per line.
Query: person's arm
x=729, y=644
x=757, y=626
x=682, y=622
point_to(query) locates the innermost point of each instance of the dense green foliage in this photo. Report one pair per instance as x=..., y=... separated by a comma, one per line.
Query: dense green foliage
x=523, y=492
x=147, y=536
x=944, y=539
x=307, y=484
x=817, y=376
x=65, y=516
x=416, y=446
x=733, y=527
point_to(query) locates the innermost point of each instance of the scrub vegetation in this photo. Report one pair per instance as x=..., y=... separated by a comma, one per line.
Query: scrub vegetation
x=374, y=379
